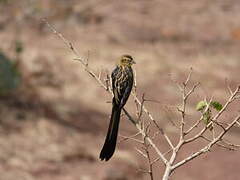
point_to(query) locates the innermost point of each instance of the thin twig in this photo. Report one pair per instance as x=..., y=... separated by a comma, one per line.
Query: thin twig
x=218, y=144
x=125, y=138
x=201, y=118
x=144, y=131
x=150, y=164
x=207, y=147
x=229, y=101
x=230, y=144
x=153, y=120
x=140, y=152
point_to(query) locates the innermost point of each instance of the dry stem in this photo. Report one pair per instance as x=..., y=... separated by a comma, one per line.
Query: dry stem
x=144, y=130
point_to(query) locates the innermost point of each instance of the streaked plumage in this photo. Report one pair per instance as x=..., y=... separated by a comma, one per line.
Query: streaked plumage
x=122, y=82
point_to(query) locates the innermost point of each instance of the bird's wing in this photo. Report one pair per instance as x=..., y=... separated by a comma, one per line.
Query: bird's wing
x=126, y=93
x=122, y=82
x=114, y=77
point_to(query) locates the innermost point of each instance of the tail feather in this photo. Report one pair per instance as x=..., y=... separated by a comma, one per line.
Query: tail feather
x=111, y=138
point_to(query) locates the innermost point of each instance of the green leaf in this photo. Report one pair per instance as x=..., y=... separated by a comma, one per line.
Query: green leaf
x=207, y=118
x=216, y=105
x=201, y=105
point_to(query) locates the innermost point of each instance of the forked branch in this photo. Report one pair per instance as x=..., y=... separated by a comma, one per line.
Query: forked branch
x=143, y=129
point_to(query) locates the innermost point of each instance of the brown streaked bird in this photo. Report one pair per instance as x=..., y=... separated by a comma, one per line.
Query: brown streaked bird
x=122, y=82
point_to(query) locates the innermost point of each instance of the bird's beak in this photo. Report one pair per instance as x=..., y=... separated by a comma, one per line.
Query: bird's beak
x=133, y=62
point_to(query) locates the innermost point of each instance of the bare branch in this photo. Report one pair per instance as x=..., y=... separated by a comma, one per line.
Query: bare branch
x=207, y=147
x=185, y=96
x=155, y=160
x=153, y=120
x=74, y=51
x=67, y=43
x=150, y=164
x=141, y=107
x=214, y=119
x=218, y=144
x=228, y=87
x=144, y=131
x=189, y=77
x=147, y=138
x=170, y=150
x=236, y=146
x=107, y=81
x=142, y=153
x=238, y=123
x=133, y=137
x=201, y=118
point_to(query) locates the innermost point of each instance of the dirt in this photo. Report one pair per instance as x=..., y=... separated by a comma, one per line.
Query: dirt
x=54, y=125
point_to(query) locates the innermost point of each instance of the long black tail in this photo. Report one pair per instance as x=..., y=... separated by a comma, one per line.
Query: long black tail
x=111, y=138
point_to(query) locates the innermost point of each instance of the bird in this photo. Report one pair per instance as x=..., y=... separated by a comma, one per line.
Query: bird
x=122, y=82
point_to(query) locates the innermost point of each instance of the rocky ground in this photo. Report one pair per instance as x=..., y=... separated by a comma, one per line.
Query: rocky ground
x=54, y=125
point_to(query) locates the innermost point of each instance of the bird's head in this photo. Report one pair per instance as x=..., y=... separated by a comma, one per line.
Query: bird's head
x=126, y=60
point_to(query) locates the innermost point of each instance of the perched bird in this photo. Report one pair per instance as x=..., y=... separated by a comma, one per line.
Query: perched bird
x=122, y=82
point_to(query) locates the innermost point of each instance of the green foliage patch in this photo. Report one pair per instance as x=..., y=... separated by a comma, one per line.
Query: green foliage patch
x=10, y=77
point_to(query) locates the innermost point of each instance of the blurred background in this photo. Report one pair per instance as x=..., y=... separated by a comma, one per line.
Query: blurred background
x=54, y=116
